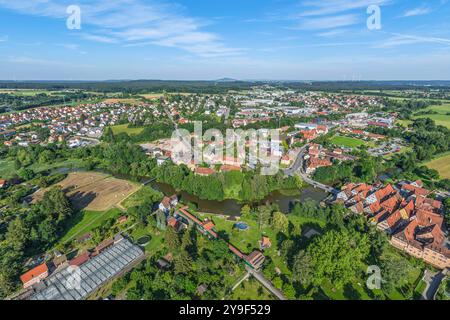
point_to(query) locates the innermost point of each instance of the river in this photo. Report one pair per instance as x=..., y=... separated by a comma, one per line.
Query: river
x=228, y=207
x=233, y=207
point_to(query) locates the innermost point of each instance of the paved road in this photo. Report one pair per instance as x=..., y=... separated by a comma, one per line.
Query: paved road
x=297, y=168
x=433, y=281
x=266, y=283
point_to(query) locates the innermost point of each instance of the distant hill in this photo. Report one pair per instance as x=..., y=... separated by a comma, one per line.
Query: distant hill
x=226, y=80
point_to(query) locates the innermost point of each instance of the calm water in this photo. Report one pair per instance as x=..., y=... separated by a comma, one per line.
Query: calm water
x=233, y=207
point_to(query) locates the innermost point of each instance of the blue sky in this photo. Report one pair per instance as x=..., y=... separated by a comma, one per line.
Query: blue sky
x=211, y=39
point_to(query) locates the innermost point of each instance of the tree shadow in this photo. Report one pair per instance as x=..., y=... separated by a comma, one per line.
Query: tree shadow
x=81, y=200
x=351, y=293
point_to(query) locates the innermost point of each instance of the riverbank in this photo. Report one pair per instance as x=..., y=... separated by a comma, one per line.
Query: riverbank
x=285, y=199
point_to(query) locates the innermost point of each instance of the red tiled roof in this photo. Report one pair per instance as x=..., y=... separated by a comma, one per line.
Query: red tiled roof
x=172, y=222
x=416, y=190
x=384, y=192
x=208, y=225
x=427, y=218
x=226, y=168
x=204, y=171
x=34, y=273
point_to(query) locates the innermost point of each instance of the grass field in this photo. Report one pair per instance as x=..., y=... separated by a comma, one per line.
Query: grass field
x=441, y=164
x=251, y=290
x=85, y=221
x=123, y=128
x=442, y=118
x=94, y=191
x=7, y=170
x=347, y=142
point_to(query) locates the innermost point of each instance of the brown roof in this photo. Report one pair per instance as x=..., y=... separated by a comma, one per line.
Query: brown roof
x=104, y=244
x=81, y=259
x=226, y=168
x=204, y=171
x=166, y=202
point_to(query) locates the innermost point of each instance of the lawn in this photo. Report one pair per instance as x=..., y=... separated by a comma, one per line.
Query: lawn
x=69, y=164
x=248, y=240
x=123, y=128
x=347, y=142
x=86, y=221
x=440, y=119
x=251, y=290
x=157, y=238
x=441, y=164
x=7, y=169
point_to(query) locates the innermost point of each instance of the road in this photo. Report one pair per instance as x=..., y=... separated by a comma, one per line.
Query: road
x=433, y=281
x=297, y=168
x=266, y=283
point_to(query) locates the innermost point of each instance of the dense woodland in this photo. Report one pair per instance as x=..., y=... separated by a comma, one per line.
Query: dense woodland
x=16, y=102
x=221, y=86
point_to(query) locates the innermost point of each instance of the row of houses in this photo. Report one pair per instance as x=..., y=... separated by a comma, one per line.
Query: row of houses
x=414, y=221
x=318, y=157
x=83, y=120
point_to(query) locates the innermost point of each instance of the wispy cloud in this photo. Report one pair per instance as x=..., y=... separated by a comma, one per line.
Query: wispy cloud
x=331, y=33
x=328, y=7
x=3, y=38
x=128, y=21
x=331, y=14
x=404, y=39
x=420, y=11
x=327, y=22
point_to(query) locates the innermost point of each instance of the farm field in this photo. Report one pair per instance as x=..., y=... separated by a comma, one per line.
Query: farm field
x=347, y=142
x=442, y=165
x=94, y=191
x=118, y=100
x=123, y=128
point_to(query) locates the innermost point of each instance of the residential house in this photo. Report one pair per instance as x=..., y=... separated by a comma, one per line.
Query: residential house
x=34, y=275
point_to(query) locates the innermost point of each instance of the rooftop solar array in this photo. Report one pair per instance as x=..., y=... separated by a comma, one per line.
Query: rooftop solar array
x=79, y=283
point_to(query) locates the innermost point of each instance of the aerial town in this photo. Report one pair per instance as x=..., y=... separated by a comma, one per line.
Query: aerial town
x=231, y=158
x=335, y=150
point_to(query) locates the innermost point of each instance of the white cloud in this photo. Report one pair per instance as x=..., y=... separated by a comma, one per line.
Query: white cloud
x=404, y=39
x=129, y=21
x=331, y=14
x=327, y=22
x=416, y=12
x=331, y=33
x=326, y=7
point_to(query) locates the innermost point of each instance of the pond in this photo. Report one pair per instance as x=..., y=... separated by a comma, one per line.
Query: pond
x=144, y=240
x=241, y=226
